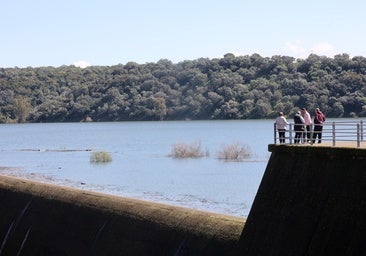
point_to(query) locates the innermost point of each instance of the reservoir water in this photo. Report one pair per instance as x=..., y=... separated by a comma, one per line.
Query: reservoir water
x=141, y=166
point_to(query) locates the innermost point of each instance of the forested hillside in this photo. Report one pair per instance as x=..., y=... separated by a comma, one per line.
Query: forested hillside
x=233, y=87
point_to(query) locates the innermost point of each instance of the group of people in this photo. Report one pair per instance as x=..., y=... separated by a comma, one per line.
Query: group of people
x=303, y=125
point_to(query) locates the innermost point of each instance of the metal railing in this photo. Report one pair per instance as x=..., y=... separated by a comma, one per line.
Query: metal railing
x=343, y=131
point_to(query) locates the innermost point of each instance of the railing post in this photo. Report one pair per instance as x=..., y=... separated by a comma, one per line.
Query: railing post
x=358, y=135
x=361, y=123
x=311, y=133
x=274, y=133
x=290, y=132
x=333, y=134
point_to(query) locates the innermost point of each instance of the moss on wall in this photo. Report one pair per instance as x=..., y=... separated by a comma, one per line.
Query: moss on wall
x=43, y=219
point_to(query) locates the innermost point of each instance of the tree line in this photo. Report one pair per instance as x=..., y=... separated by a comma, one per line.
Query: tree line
x=232, y=87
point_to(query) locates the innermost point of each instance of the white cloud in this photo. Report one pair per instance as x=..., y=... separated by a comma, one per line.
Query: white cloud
x=298, y=50
x=323, y=48
x=81, y=64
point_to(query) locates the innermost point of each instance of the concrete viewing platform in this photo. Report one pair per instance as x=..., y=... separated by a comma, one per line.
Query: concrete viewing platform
x=311, y=201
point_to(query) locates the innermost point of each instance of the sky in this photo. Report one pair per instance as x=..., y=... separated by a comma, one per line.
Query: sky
x=109, y=32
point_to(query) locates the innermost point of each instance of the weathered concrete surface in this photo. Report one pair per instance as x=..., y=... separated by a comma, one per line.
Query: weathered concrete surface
x=311, y=201
x=43, y=219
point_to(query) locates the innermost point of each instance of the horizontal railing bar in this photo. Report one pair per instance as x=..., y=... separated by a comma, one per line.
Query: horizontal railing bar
x=348, y=131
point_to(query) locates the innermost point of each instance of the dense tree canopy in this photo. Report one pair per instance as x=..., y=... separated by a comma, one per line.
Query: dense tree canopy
x=231, y=87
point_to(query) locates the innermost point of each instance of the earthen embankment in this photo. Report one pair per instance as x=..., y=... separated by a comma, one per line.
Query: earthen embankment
x=43, y=219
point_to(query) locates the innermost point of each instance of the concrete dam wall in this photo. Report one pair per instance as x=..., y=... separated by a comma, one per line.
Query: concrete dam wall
x=43, y=219
x=311, y=201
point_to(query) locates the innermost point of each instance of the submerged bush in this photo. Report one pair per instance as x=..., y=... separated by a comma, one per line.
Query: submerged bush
x=234, y=152
x=100, y=157
x=183, y=150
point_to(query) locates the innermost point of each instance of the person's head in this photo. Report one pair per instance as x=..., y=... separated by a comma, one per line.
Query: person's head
x=317, y=110
x=280, y=114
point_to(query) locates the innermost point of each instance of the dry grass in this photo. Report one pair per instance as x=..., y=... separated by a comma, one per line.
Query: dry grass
x=234, y=152
x=183, y=150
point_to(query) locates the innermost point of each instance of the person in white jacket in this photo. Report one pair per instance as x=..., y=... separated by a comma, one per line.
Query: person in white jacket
x=281, y=124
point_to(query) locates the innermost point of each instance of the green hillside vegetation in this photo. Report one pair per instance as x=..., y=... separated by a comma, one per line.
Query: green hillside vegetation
x=232, y=87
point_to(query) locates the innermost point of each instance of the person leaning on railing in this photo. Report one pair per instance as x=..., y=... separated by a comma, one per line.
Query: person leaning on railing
x=281, y=124
x=319, y=119
x=299, y=127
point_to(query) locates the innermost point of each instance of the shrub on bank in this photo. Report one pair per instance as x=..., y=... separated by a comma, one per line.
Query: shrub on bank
x=100, y=157
x=234, y=152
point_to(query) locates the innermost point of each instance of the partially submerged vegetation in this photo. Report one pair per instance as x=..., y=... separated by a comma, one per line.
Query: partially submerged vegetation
x=100, y=157
x=231, y=152
x=234, y=152
x=192, y=150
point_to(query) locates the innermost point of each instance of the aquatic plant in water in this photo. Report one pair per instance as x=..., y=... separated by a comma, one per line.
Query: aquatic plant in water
x=233, y=152
x=100, y=157
x=184, y=150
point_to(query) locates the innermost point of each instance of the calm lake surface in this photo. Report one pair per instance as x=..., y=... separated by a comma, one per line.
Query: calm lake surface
x=59, y=153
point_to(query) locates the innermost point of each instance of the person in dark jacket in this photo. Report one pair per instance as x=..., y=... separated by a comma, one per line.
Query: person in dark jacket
x=299, y=127
x=319, y=119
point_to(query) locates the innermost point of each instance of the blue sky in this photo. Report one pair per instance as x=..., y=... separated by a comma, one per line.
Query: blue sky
x=109, y=32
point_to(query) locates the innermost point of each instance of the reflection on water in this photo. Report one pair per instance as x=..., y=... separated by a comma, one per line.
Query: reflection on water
x=59, y=153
